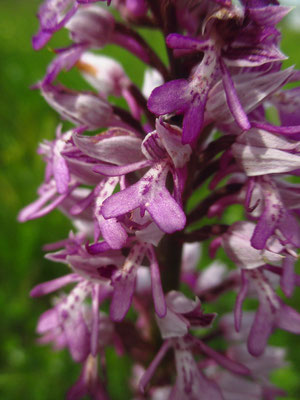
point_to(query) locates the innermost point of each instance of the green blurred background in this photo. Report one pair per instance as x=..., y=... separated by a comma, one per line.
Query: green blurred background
x=27, y=370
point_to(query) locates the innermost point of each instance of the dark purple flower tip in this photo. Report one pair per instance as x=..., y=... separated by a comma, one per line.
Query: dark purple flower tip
x=40, y=40
x=137, y=8
x=97, y=248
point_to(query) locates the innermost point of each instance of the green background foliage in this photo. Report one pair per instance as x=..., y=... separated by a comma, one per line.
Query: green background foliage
x=28, y=370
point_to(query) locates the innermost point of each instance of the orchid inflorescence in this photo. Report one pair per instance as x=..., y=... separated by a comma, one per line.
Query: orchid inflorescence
x=198, y=125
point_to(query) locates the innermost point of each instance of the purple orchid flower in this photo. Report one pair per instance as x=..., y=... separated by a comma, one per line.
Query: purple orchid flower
x=258, y=386
x=127, y=188
x=214, y=65
x=272, y=313
x=274, y=215
x=183, y=314
x=54, y=15
x=150, y=193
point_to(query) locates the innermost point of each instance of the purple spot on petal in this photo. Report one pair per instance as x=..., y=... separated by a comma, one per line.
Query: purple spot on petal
x=107, y=271
x=64, y=314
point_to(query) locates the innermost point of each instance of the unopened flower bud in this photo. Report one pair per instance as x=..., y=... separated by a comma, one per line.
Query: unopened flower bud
x=92, y=25
x=103, y=73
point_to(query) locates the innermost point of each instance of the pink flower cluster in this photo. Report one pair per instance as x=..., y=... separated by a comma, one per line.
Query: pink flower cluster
x=200, y=122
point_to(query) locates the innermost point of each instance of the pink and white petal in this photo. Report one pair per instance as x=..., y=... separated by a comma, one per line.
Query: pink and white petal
x=268, y=15
x=171, y=138
x=116, y=146
x=191, y=256
x=151, y=234
x=265, y=84
x=180, y=304
x=172, y=325
x=255, y=56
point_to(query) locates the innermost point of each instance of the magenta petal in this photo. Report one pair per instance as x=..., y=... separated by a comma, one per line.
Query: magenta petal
x=48, y=320
x=157, y=291
x=79, y=343
x=166, y=212
x=77, y=391
x=95, y=322
x=287, y=281
x=233, y=101
x=260, y=331
x=192, y=122
x=29, y=211
x=154, y=364
x=124, y=285
x=264, y=228
x=239, y=301
x=191, y=382
x=97, y=248
x=177, y=41
x=288, y=319
x=170, y=97
x=61, y=174
x=289, y=227
x=225, y=362
x=40, y=39
x=113, y=170
x=55, y=284
x=51, y=206
x=121, y=202
x=113, y=232
x=292, y=132
x=66, y=59
x=272, y=393
x=83, y=204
